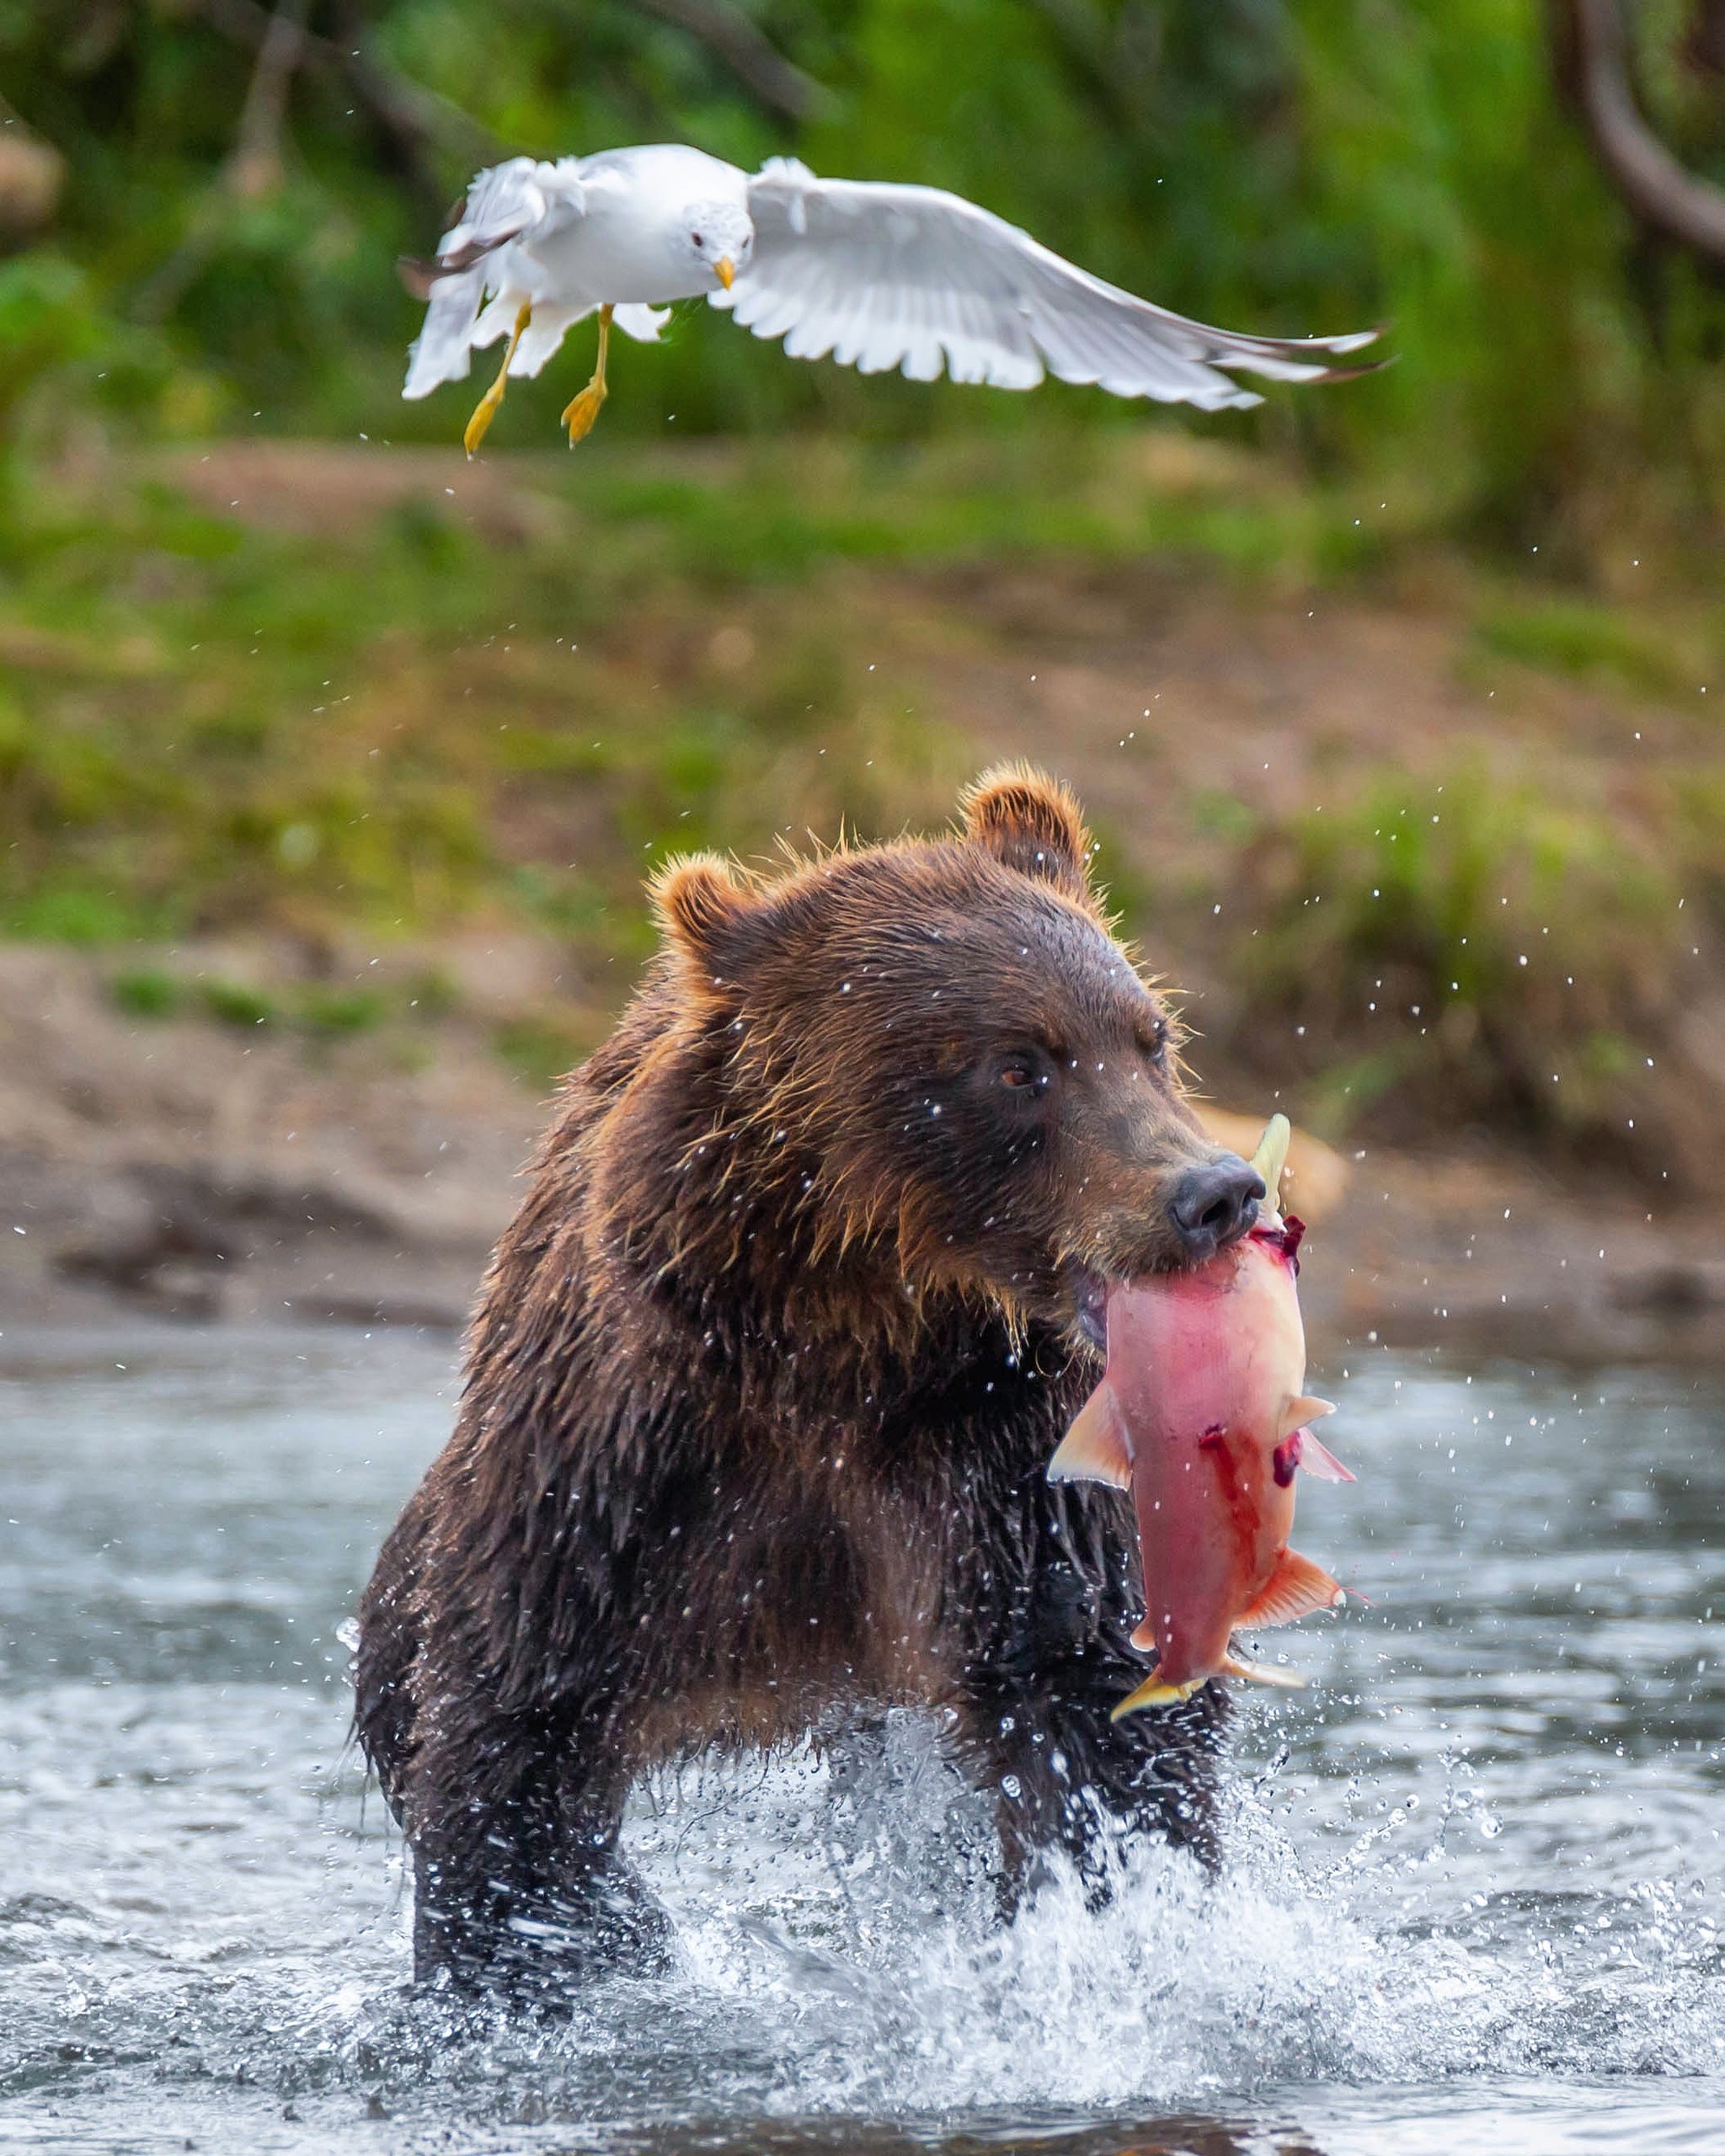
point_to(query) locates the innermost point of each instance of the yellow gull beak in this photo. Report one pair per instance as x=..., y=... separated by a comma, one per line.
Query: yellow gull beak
x=725, y=270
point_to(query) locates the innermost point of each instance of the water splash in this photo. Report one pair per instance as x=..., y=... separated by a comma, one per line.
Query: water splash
x=1474, y=1877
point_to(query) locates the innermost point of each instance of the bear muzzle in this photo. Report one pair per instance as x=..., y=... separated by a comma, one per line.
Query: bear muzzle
x=1192, y=1217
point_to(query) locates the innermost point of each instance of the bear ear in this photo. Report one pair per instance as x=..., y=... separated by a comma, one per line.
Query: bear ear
x=700, y=904
x=1030, y=821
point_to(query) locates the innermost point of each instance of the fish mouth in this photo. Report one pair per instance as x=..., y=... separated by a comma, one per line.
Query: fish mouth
x=1205, y=1217
x=1088, y=1286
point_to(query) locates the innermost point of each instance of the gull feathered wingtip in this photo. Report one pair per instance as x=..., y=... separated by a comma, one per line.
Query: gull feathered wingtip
x=419, y=273
x=1356, y=342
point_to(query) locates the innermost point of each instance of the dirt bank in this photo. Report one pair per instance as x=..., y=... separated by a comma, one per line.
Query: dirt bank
x=312, y=1121
x=207, y=1170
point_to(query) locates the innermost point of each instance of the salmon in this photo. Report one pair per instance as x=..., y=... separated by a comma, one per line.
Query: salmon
x=1204, y=1415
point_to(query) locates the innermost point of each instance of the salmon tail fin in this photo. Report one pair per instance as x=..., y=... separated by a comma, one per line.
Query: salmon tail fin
x=1294, y=1590
x=1152, y=1692
x=1095, y=1449
x=1262, y=1673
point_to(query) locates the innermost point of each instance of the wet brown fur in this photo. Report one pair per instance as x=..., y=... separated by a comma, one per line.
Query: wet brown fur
x=763, y=1379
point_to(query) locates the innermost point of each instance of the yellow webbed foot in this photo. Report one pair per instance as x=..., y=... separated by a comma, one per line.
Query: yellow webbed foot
x=580, y=411
x=483, y=414
x=485, y=411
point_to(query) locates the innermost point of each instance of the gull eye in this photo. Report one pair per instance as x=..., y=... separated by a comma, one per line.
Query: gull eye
x=697, y=239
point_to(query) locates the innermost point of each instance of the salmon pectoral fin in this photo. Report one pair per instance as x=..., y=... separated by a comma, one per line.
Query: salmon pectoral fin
x=1294, y=1590
x=1152, y=1692
x=1320, y=1462
x=1303, y=1408
x=1259, y=1672
x=1095, y=1450
x=1143, y=1635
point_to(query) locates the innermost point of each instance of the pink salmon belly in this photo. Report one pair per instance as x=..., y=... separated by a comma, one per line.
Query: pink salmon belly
x=1203, y=1414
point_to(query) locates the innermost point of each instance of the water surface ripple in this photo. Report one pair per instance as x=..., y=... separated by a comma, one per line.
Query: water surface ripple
x=1473, y=1899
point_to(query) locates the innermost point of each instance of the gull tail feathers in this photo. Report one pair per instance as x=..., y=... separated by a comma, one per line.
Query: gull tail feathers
x=643, y=323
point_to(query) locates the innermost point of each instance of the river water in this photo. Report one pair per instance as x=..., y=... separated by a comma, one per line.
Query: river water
x=1473, y=1900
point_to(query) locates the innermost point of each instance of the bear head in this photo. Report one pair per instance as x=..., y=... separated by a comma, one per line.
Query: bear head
x=937, y=1052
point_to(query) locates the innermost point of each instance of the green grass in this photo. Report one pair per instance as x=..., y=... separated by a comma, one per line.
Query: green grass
x=1588, y=640
x=148, y=993
x=405, y=722
x=537, y=1051
x=341, y=1011
x=1482, y=948
x=314, y=1008
x=236, y=1004
x=411, y=724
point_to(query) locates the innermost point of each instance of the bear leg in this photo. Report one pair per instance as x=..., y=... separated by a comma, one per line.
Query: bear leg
x=1049, y=1659
x=520, y=1886
x=1066, y=1778
x=390, y=1634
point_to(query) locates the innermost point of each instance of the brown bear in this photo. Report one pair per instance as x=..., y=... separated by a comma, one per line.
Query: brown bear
x=765, y=1375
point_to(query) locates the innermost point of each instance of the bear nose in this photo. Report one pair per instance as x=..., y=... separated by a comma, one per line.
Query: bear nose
x=1215, y=1204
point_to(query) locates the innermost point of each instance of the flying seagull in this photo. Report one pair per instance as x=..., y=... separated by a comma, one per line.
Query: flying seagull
x=877, y=274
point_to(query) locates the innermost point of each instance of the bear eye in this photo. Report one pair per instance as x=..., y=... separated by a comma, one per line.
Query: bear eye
x=1023, y=1074
x=1155, y=1044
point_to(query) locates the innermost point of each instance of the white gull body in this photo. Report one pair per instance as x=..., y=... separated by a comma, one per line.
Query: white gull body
x=874, y=274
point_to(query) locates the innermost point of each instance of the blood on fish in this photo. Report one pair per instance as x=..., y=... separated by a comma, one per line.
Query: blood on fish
x=1241, y=1512
x=1210, y=1362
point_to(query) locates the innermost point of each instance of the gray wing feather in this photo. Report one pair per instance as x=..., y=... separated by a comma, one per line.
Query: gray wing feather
x=505, y=203
x=880, y=275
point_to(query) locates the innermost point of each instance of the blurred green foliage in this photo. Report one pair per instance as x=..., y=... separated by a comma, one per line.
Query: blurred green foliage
x=1480, y=949
x=1289, y=165
x=538, y=1051
x=312, y=1008
x=411, y=714
x=393, y=721
x=392, y=725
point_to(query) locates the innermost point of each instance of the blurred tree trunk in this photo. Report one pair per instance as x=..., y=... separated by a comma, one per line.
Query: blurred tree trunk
x=1704, y=45
x=31, y=175
x=748, y=51
x=255, y=168
x=1591, y=63
x=430, y=140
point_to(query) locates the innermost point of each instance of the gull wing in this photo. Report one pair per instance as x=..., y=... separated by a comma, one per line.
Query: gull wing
x=523, y=200
x=880, y=275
